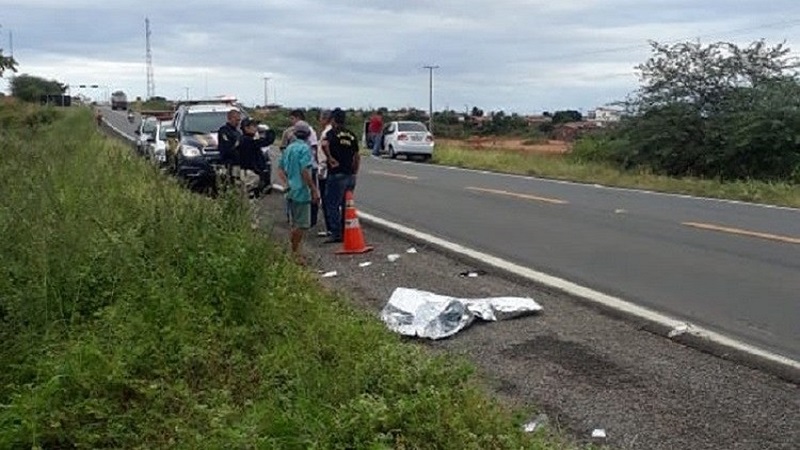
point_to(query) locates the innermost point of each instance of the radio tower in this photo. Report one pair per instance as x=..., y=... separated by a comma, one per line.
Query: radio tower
x=151, y=84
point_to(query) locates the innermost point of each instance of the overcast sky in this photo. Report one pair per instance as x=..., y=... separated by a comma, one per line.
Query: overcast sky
x=521, y=56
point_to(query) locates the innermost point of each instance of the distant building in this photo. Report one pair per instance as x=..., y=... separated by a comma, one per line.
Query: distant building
x=603, y=116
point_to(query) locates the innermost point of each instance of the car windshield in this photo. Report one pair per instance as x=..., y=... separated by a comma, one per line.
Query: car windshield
x=411, y=126
x=148, y=126
x=204, y=122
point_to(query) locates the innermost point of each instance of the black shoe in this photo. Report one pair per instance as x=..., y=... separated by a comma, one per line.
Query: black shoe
x=332, y=240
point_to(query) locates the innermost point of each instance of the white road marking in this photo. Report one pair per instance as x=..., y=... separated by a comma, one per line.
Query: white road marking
x=584, y=292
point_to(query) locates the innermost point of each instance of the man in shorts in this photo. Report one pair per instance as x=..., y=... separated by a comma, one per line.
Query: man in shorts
x=301, y=190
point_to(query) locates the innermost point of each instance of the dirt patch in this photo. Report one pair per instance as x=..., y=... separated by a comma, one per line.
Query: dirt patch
x=508, y=144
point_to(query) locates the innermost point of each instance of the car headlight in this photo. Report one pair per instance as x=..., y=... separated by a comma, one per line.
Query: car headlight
x=190, y=151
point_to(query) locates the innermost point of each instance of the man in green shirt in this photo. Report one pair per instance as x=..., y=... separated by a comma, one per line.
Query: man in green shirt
x=301, y=191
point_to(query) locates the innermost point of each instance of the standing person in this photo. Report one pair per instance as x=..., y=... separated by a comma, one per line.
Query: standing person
x=374, y=131
x=298, y=116
x=301, y=192
x=341, y=150
x=251, y=158
x=228, y=140
x=322, y=174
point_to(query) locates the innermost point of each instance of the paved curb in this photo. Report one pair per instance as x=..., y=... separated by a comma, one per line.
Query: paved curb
x=654, y=322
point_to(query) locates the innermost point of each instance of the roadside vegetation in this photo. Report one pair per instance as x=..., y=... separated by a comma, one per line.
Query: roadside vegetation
x=134, y=314
x=715, y=120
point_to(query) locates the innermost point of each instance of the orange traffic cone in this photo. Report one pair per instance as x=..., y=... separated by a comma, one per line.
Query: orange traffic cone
x=353, y=238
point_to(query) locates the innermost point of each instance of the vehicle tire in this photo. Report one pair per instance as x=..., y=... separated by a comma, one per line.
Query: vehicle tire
x=392, y=154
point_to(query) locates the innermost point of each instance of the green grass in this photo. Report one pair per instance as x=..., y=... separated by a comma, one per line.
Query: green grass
x=136, y=315
x=562, y=167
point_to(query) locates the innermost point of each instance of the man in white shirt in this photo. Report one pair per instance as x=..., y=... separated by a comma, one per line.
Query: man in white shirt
x=322, y=160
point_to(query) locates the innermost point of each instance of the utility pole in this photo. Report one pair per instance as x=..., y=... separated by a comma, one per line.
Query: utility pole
x=266, y=92
x=187, y=92
x=430, y=95
x=151, y=84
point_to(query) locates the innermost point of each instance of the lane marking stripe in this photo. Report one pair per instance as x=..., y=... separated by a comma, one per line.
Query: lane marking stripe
x=395, y=175
x=584, y=292
x=740, y=232
x=554, y=201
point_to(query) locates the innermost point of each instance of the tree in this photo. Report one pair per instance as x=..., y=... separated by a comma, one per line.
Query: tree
x=477, y=112
x=715, y=111
x=30, y=88
x=7, y=63
x=569, y=115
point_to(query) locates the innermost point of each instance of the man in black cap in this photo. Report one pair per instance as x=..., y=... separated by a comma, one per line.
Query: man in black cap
x=341, y=149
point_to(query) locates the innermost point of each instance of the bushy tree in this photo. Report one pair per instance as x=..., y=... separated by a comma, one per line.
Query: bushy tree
x=6, y=63
x=714, y=110
x=30, y=88
x=569, y=115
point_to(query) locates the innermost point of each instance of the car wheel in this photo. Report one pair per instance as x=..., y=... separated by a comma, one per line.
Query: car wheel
x=392, y=154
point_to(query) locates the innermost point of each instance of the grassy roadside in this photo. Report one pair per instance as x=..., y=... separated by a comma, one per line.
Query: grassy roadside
x=563, y=168
x=136, y=315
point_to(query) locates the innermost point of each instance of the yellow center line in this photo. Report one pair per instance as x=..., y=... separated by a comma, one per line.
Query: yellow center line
x=396, y=175
x=757, y=234
x=518, y=195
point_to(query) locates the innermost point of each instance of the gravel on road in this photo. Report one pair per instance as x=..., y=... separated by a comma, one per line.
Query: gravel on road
x=583, y=368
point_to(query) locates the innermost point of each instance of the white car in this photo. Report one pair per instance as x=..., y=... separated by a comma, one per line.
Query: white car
x=145, y=132
x=411, y=139
x=157, y=144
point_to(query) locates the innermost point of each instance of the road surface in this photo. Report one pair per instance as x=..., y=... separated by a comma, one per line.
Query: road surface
x=731, y=267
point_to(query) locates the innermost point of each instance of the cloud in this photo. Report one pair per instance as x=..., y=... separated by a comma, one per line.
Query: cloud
x=514, y=55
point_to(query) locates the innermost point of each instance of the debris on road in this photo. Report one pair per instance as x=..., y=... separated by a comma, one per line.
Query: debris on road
x=393, y=257
x=330, y=274
x=365, y=264
x=679, y=330
x=620, y=211
x=412, y=312
x=411, y=250
x=472, y=273
x=598, y=433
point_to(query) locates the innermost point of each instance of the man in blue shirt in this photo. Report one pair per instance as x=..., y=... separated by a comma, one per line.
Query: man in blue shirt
x=301, y=191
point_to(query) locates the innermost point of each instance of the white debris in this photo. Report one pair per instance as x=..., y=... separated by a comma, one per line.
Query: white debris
x=535, y=424
x=620, y=211
x=413, y=312
x=412, y=250
x=330, y=274
x=679, y=330
x=393, y=257
x=365, y=264
x=598, y=433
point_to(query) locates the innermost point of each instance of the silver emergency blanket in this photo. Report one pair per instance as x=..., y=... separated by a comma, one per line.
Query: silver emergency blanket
x=412, y=312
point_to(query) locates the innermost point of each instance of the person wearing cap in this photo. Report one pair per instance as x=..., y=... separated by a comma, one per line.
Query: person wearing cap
x=295, y=117
x=341, y=149
x=301, y=191
x=251, y=158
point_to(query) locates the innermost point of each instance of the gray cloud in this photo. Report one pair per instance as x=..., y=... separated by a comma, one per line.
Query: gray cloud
x=514, y=55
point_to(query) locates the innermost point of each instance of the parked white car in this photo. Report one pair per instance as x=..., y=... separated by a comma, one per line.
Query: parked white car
x=145, y=132
x=157, y=144
x=411, y=139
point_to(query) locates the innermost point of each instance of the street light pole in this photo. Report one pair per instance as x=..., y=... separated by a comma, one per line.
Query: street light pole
x=187, y=92
x=430, y=96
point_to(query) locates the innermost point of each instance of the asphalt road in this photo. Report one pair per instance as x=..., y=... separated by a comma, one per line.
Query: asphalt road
x=731, y=267
x=698, y=259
